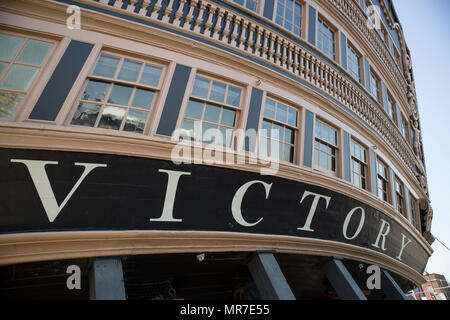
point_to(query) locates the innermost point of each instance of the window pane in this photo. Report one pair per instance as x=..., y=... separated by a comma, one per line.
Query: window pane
x=241, y=2
x=218, y=91
x=34, y=52
x=277, y=132
x=228, y=117
x=234, y=96
x=9, y=46
x=318, y=129
x=3, y=66
x=194, y=109
x=281, y=112
x=19, y=78
x=120, y=95
x=224, y=137
x=292, y=117
x=288, y=135
x=263, y=149
x=209, y=133
x=112, y=118
x=323, y=160
x=275, y=149
x=95, y=91
x=288, y=153
x=86, y=114
x=130, y=70
x=316, y=157
x=326, y=133
x=251, y=4
x=106, y=66
x=151, y=75
x=143, y=99
x=188, y=130
x=135, y=121
x=212, y=113
x=266, y=128
x=269, y=110
x=8, y=103
x=201, y=87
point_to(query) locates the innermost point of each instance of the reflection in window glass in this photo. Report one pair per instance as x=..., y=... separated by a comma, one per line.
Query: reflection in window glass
x=19, y=78
x=9, y=46
x=218, y=91
x=3, y=66
x=143, y=99
x=8, y=103
x=135, y=121
x=234, y=96
x=130, y=71
x=201, y=88
x=112, y=118
x=194, y=109
x=212, y=113
x=22, y=57
x=106, y=66
x=325, y=146
x=288, y=15
x=86, y=114
x=96, y=91
x=34, y=52
x=151, y=75
x=120, y=95
x=277, y=136
x=122, y=107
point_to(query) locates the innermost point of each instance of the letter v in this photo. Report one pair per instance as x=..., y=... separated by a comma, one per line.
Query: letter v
x=44, y=189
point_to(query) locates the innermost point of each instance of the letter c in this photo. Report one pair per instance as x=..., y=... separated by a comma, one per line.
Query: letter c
x=237, y=202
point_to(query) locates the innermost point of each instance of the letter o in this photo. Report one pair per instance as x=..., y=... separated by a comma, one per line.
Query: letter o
x=347, y=221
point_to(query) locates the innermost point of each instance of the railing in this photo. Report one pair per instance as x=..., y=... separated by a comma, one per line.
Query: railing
x=354, y=13
x=247, y=36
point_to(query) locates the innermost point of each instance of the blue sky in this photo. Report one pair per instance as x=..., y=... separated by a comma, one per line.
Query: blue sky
x=427, y=31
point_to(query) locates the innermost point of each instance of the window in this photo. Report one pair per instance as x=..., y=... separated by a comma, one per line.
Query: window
x=414, y=212
x=211, y=113
x=399, y=195
x=397, y=57
x=278, y=134
x=289, y=15
x=374, y=86
x=359, y=165
x=382, y=181
x=21, y=59
x=249, y=4
x=353, y=63
x=325, y=147
x=404, y=127
x=326, y=42
x=119, y=94
x=391, y=108
x=384, y=34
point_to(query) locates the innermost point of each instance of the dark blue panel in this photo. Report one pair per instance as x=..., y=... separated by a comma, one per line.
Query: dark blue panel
x=385, y=96
x=344, y=51
x=392, y=184
x=268, y=9
x=254, y=113
x=373, y=160
x=312, y=26
x=399, y=117
x=346, y=151
x=308, y=142
x=61, y=82
x=169, y=116
x=367, y=74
